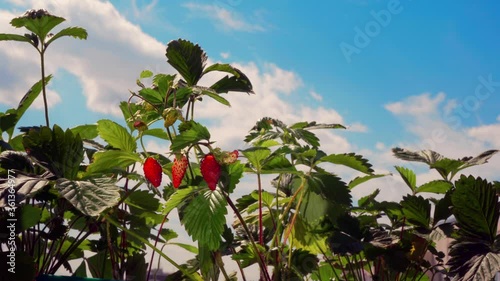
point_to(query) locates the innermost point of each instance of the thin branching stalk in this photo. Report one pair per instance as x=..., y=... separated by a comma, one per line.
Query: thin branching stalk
x=249, y=234
x=155, y=244
x=111, y=252
x=44, y=92
x=261, y=228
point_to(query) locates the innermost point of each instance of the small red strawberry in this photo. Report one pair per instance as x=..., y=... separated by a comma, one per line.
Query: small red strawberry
x=231, y=157
x=140, y=125
x=179, y=170
x=152, y=171
x=210, y=170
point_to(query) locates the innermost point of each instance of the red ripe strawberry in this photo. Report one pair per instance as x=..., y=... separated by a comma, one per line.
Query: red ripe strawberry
x=152, y=171
x=179, y=170
x=233, y=156
x=140, y=125
x=210, y=170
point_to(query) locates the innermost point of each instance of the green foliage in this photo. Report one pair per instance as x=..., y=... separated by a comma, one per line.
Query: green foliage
x=204, y=218
x=190, y=133
x=90, y=197
x=116, y=135
x=475, y=205
x=303, y=224
x=59, y=152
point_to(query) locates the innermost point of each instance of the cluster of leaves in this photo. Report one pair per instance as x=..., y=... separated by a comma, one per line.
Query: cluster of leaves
x=303, y=224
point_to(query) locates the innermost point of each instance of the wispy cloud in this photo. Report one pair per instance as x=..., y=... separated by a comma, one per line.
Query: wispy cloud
x=316, y=96
x=145, y=10
x=224, y=18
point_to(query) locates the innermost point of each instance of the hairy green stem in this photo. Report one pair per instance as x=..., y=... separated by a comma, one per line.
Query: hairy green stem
x=44, y=92
x=146, y=242
x=249, y=234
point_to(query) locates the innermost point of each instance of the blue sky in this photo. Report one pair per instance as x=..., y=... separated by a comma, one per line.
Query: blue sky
x=394, y=71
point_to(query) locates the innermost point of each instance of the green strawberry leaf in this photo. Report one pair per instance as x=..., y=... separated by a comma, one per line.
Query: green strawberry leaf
x=256, y=157
x=351, y=160
x=475, y=206
x=30, y=216
x=417, y=210
x=436, y=186
x=359, y=180
x=180, y=196
x=187, y=58
x=111, y=160
x=146, y=74
x=9, y=120
x=143, y=200
x=156, y=132
x=116, y=135
x=151, y=95
x=90, y=197
x=75, y=32
x=408, y=176
x=190, y=133
x=216, y=97
x=14, y=37
x=41, y=24
x=204, y=218
x=88, y=131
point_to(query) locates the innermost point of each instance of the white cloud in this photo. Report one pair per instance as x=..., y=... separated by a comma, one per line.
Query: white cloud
x=380, y=146
x=143, y=11
x=224, y=18
x=357, y=127
x=422, y=116
x=315, y=96
x=106, y=64
x=432, y=130
x=225, y=55
x=421, y=104
x=487, y=133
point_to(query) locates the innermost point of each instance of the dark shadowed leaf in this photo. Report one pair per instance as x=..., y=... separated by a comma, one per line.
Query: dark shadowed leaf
x=351, y=160
x=437, y=186
x=425, y=156
x=111, y=160
x=90, y=197
x=366, y=200
x=24, y=104
x=58, y=151
x=408, y=176
x=475, y=206
x=75, y=32
x=473, y=260
x=13, y=37
x=187, y=58
x=417, y=210
x=40, y=24
x=359, y=180
x=25, y=185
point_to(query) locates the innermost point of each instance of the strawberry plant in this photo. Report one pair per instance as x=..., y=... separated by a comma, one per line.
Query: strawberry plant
x=96, y=188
